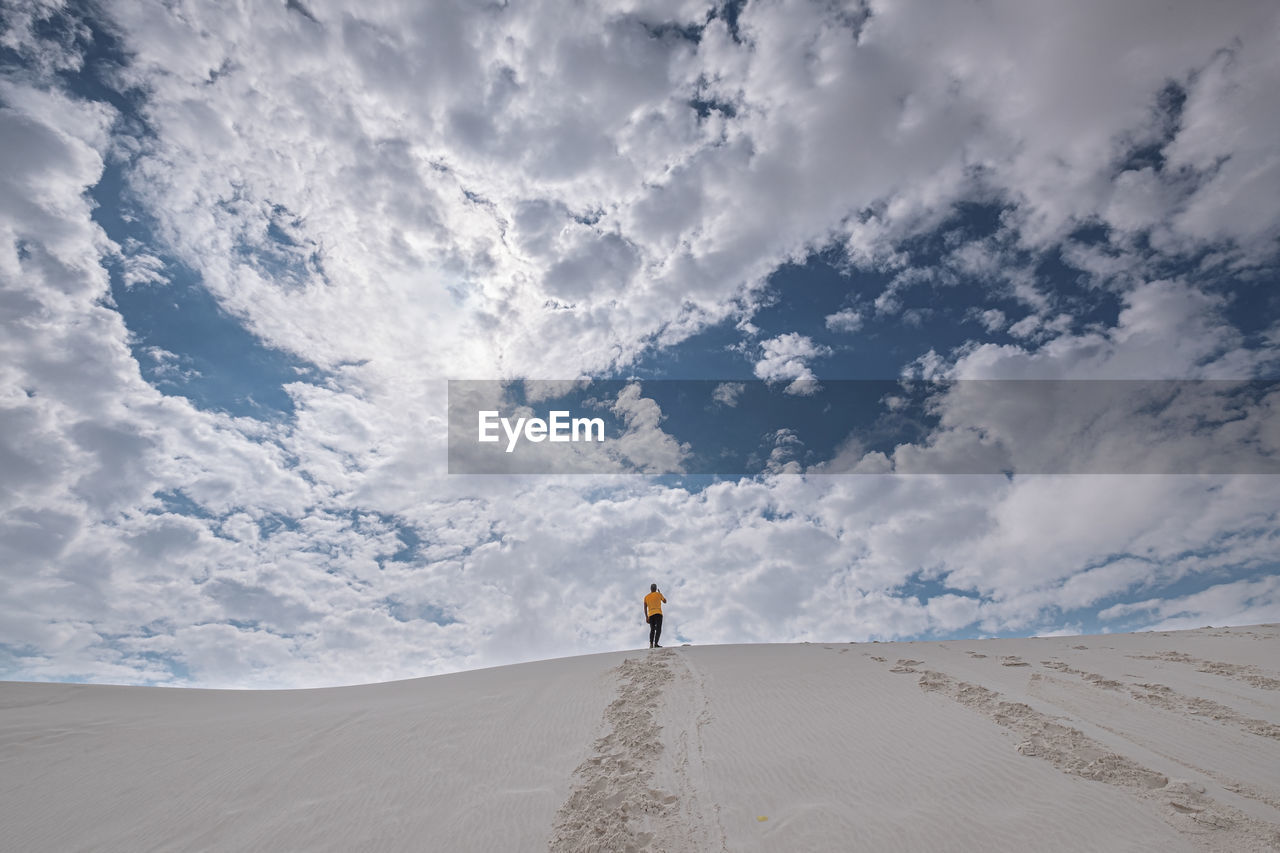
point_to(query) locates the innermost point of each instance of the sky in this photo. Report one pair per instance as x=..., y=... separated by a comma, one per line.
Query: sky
x=908, y=321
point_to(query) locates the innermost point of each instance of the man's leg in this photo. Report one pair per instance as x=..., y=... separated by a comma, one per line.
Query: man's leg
x=657, y=628
x=652, y=616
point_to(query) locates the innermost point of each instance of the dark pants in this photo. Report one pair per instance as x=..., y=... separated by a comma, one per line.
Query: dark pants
x=655, y=628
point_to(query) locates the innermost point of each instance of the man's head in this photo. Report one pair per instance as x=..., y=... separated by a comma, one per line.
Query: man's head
x=653, y=587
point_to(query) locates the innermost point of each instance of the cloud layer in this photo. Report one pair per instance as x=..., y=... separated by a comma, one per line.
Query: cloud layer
x=398, y=195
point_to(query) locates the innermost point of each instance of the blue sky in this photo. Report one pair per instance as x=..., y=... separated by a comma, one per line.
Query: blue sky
x=246, y=249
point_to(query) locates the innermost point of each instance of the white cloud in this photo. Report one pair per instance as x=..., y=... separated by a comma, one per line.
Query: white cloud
x=1238, y=603
x=625, y=150
x=141, y=267
x=478, y=191
x=782, y=457
x=643, y=443
x=992, y=319
x=1166, y=330
x=845, y=320
x=727, y=393
x=1025, y=327
x=786, y=359
x=1227, y=134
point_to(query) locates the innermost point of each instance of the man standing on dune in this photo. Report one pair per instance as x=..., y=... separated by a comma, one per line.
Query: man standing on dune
x=653, y=614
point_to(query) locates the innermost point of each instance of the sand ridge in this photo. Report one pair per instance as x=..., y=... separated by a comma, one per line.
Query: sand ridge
x=1116, y=742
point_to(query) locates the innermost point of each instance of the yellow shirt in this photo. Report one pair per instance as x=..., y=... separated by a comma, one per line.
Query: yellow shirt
x=653, y=603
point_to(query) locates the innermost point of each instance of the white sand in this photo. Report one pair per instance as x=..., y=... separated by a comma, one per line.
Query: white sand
x=1119, y=742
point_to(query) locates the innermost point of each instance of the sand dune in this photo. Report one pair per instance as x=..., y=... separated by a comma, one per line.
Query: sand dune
x=1155, y=741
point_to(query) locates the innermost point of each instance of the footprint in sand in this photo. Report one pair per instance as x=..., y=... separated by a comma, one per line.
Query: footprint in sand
x=1013, y=660
x=612, y=784
x=1247, y=673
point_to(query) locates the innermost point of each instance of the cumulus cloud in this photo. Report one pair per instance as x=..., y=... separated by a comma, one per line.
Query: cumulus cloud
x=727, y=393
x=992, y=319
x=786, y=359
x=623, y=176
x=1238, y=603
x=643, y=443
x=844, y=320
x=1165, y=330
